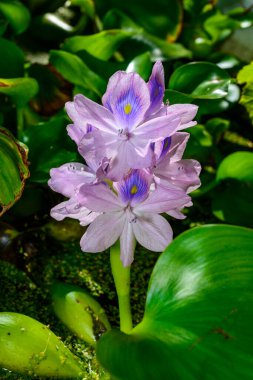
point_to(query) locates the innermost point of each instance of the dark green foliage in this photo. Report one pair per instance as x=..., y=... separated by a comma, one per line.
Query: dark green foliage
x=52, y=50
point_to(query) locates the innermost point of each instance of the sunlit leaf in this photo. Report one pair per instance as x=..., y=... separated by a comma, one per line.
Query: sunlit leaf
x=21, y=90
x=27, y=346
x=198, y=312
x=80, y=312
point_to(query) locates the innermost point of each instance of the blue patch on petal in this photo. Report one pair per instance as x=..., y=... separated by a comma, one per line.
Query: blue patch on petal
x=128, y=107
x=134, y=187
x=156, y=94
x=166, y=146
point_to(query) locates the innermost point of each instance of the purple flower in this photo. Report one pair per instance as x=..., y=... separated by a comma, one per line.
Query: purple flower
x=135, y=169
x=129, y=214
x=131, y=118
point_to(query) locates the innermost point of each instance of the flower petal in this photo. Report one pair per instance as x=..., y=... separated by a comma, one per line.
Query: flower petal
x=66, y=179
x=153, y=232
x=134, y=187
x=103, y=232
x=186, y=112
x=156, y=88
x=112, y=84
x=183, y=174
x=127, y=244
x=95, y=114
x=71, y=209
x=163, y=200
x=156, y=129
x=99, y=198
x=129, y=100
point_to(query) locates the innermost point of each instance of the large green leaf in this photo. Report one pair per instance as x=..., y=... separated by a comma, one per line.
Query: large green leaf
x=13, y=169
x=27, y=346
x=198, y=318
x=201, y=80
x=21, y=90
x=79, y=311
x=233, y=200
x=101, y=45
x=16, y=13
x=159, y=47
x=49, y=146
x=76, y=71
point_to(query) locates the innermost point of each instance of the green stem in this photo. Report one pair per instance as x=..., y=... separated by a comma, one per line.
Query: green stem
x=20, y=121
x=121, y=276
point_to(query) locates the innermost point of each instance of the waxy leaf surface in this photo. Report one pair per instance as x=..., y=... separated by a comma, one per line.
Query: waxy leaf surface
x=198, y=317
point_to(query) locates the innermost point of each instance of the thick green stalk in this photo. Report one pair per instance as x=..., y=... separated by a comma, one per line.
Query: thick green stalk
x=121, y=277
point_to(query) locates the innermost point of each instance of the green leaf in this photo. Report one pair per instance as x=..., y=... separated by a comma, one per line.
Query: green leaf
x=101, y=45
x=13, y=63
x=158, y=46
x=49, y=146
x=86, y=6
x=17, y=15
x=201, y=80
x=142, y=65
x=245, y=75
x=13, y=169
x=198, y=314
x=27, y=346
x=79, y=312
x=233, y=200
x=160, y=18
x=237, y=166
x=72, y=68
x=21, y=90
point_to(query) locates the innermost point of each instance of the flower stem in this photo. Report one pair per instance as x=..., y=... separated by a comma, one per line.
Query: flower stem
x=121, y=276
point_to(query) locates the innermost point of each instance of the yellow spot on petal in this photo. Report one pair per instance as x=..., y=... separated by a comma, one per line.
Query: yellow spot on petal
x=127, y=109
x=134, y=189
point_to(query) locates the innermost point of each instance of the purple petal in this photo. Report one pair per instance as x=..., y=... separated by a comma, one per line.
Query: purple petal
x=163, y=200
x=127, y=244
x=128, y=99
x=95, y=114
x=103, y=232
x=134, y=188
x=139, y=156
x=156, y=88
x=112, y=84
x=70, y=209
x=183, y=174
x=156, y=129
x=153, y=232
x=186, y=112
x=99, y=198
x=68, y=177
x=176, y=214
x=178, y=145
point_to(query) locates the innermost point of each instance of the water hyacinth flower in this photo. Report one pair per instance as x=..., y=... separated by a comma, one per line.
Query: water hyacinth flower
x=133, y=149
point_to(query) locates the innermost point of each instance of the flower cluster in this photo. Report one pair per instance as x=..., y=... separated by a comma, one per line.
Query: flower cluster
x=133, y=150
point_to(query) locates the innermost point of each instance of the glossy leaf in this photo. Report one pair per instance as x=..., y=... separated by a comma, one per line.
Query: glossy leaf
x=29, y=347
x=49, y=146
x=198, y=312
x=21, y=90
x=72, y=68
x=233, y=200
x=142, y=65
x=80, y=312
x=101, y=45
x=16, y=13
x=237, y=166
x=13, y=63
x=14, y=169
x=202, y=80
